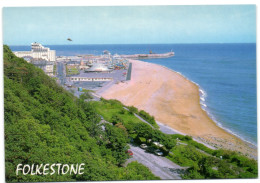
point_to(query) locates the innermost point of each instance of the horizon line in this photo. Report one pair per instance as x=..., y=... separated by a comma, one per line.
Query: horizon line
x=129, y=44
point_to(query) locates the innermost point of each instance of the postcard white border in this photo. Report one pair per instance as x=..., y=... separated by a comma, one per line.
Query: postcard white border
x=26, y=3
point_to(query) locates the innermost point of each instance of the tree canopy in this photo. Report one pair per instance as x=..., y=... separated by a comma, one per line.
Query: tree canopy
x=46, y=124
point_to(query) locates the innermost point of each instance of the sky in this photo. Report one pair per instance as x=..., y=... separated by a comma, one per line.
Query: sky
x=129, y=24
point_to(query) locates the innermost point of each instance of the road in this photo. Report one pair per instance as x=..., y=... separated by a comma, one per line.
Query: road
x=159, y=166
x=61, y=72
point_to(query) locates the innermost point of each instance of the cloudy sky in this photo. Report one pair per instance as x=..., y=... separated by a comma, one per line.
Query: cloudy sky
x=130, y=24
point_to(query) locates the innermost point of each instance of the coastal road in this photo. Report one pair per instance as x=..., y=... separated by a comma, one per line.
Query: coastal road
x=159, y=166
x=167, y=130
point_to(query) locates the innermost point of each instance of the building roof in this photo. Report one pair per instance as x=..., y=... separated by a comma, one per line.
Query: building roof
x=97, y=67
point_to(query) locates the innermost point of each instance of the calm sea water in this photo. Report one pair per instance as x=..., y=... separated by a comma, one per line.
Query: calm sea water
x=226, y=74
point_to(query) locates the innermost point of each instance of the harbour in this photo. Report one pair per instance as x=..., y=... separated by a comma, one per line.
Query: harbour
x=85, y=72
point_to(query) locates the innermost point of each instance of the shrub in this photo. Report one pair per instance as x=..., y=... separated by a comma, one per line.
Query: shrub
x=146, y=116
x=116, y=119
x=86, y=95
x=133, y=110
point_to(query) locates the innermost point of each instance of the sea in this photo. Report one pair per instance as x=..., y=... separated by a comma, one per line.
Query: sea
x=225, y=74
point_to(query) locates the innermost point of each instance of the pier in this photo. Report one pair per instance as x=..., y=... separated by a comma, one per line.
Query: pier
x=135, y=56
x=148, y=56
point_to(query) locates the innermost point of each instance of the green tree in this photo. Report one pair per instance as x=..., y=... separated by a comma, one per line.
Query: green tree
x=143, y=130
x=133, y=110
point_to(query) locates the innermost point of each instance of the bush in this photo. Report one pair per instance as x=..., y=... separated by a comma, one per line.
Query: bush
x=201, y=147
x=116, y=119
x=114, y=102
x=122, y=111
x=179, y=136
x=146, y=116
x=187, y=138
x=133, y=110
x=86, y=95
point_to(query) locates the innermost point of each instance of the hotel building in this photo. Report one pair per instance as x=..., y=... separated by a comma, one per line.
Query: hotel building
x=38, y=52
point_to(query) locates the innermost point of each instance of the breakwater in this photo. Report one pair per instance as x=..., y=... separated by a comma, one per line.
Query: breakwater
x=148, y=56
x=128, y=77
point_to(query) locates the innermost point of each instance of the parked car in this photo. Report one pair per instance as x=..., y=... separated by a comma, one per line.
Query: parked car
x=158, y=152
x=129, y=152
x=143, y=146
x=157, y=144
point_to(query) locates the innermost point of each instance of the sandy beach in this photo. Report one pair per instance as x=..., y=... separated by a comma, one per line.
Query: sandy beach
x=174, y=101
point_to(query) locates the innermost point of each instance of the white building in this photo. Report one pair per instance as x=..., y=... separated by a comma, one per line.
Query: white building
x=46, y=66
x=75, y=78
x=38, y=52
x=97, y=67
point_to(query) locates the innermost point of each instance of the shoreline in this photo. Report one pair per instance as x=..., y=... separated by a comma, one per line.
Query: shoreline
x=175, y=101
x=203, y=107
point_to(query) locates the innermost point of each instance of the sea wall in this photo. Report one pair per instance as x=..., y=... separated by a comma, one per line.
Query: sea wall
x=148, y=56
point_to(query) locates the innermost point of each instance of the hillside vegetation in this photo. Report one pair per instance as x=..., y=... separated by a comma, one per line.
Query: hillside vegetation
x=201, y=161
x=46, y=124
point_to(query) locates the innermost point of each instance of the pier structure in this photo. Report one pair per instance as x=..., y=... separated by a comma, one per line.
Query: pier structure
x=149, y=56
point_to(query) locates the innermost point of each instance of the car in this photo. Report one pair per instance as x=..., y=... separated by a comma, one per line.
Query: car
x=157, y=144
x=143, y=146
x=158, y=152
x=129, y=152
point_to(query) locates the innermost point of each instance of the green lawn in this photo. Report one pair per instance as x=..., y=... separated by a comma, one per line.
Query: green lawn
x=185, y=155
x=108, y=110
x=72, y=71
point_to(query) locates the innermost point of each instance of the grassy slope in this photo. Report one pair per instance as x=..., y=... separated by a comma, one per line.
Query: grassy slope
x=186, y=152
